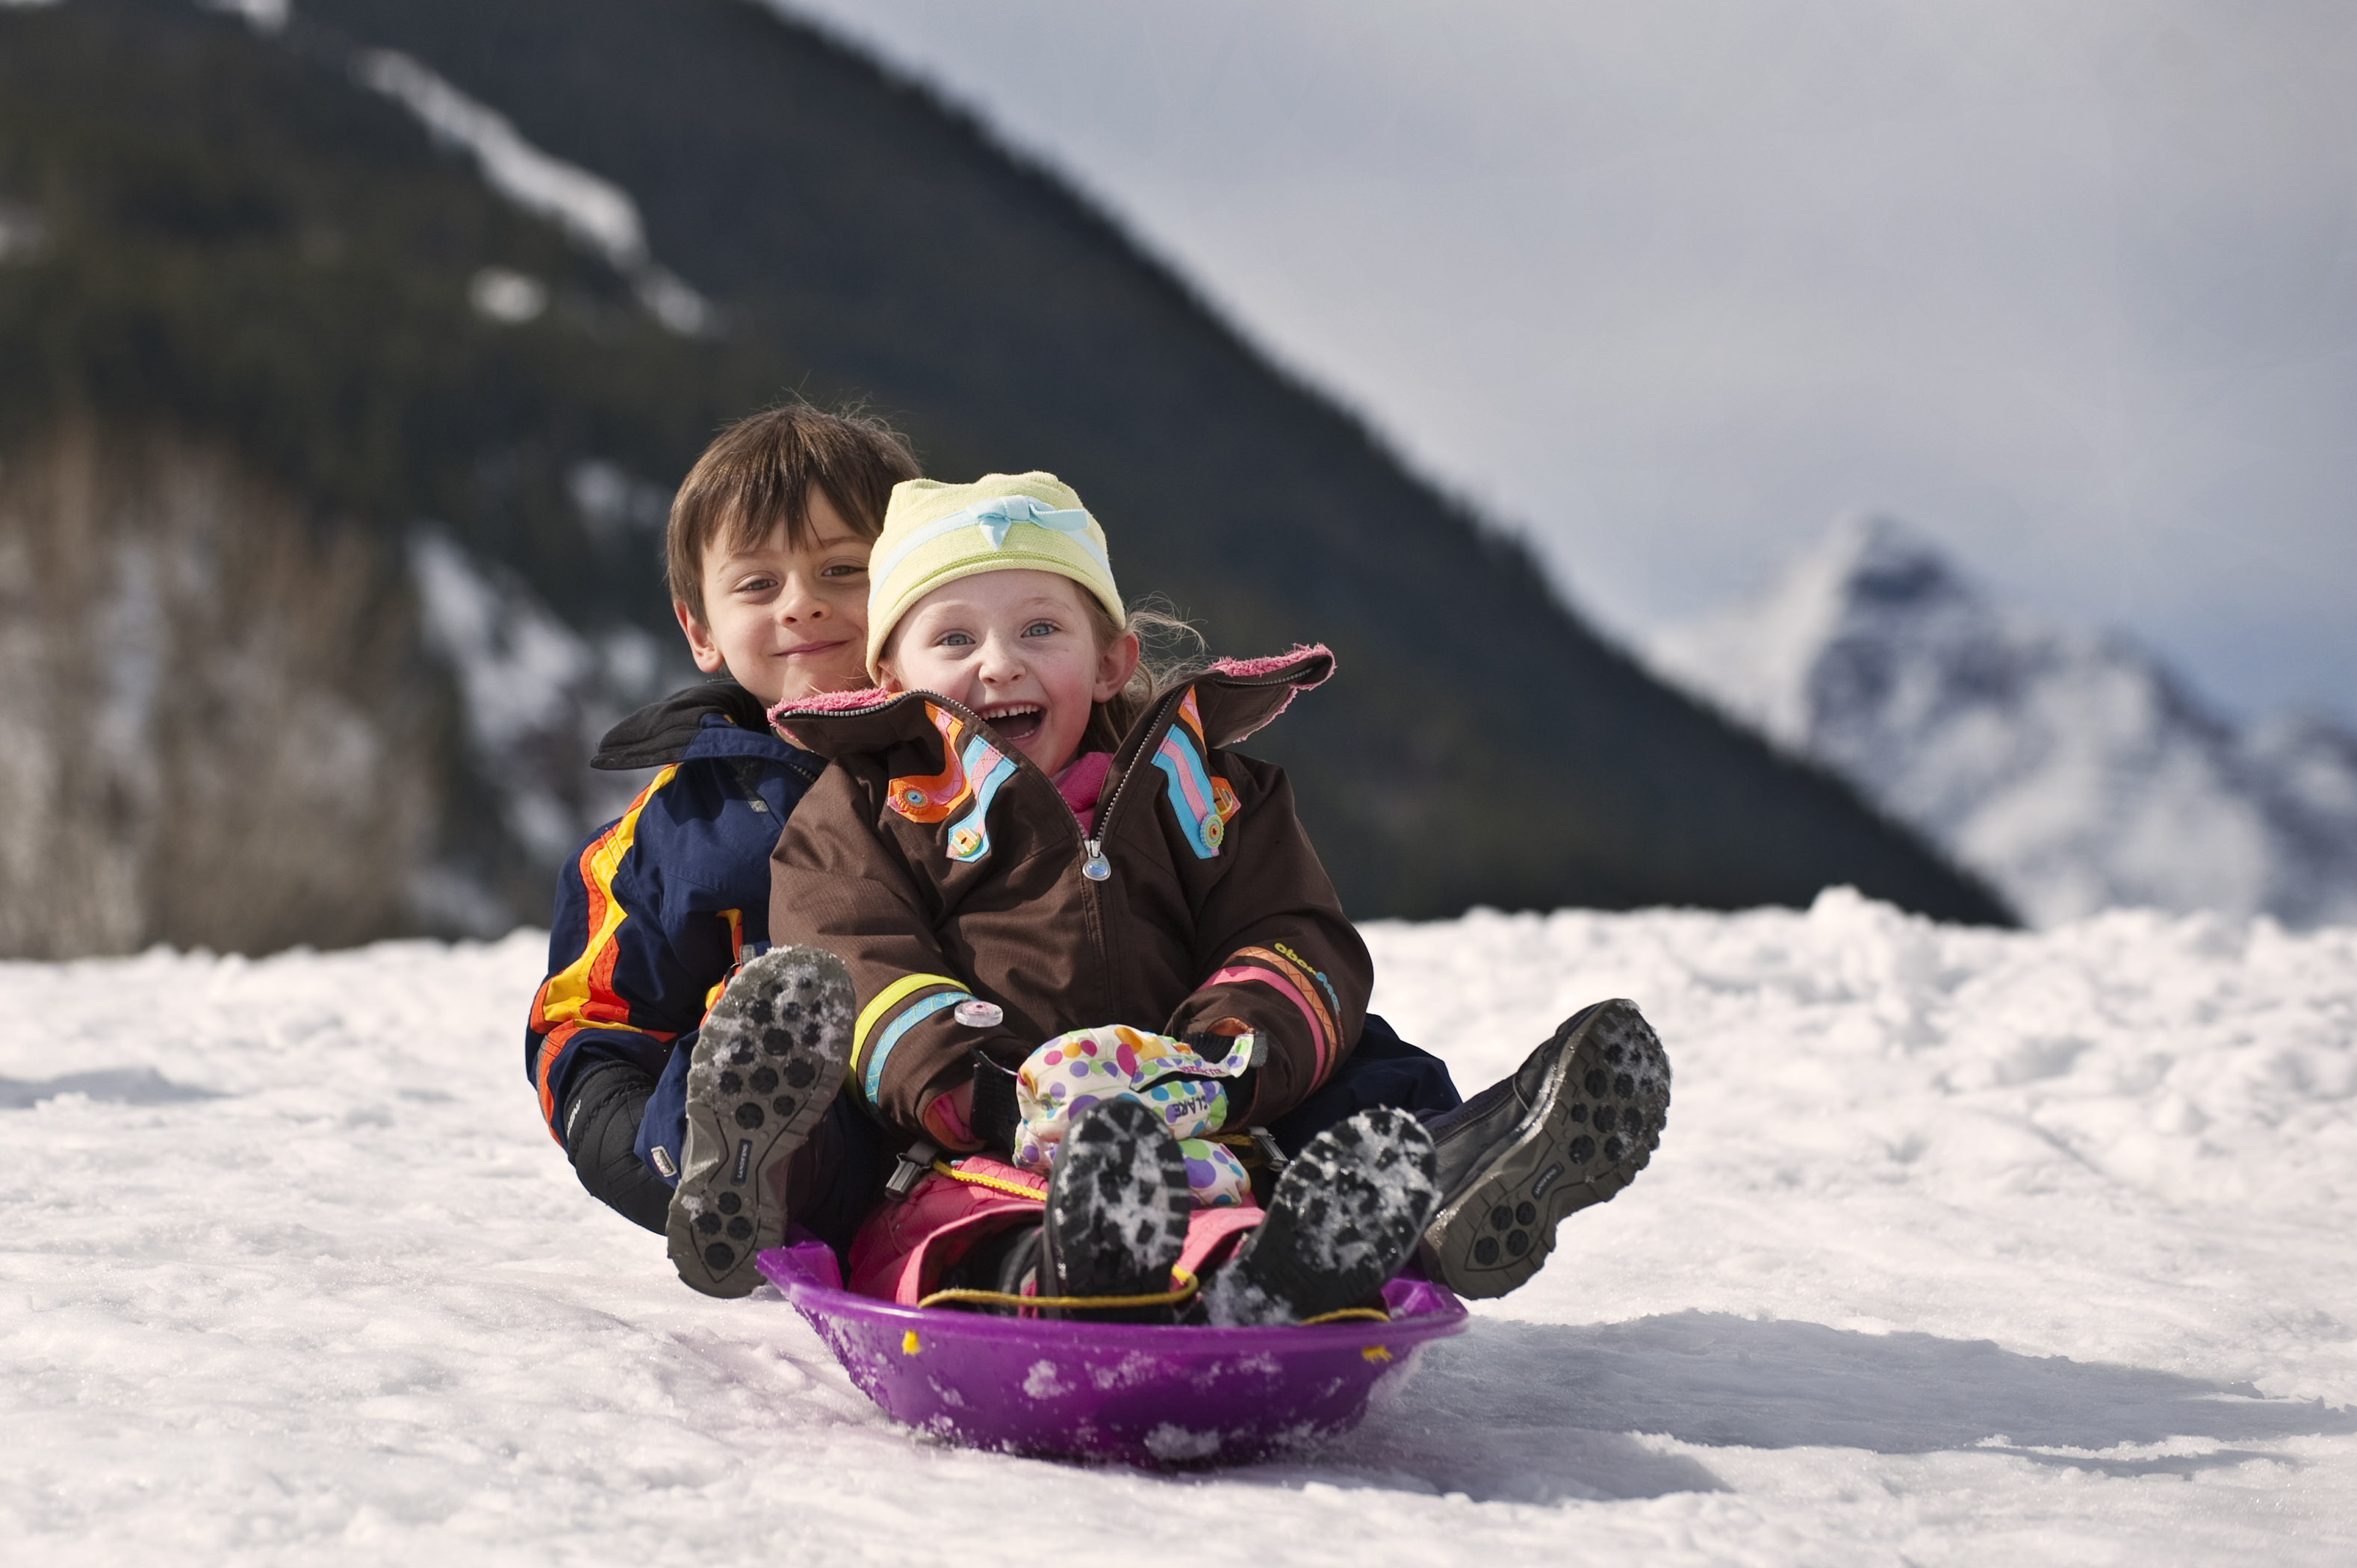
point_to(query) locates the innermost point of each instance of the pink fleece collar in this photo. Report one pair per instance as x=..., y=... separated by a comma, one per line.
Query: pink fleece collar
x=1235, y=669
x=832, y=703
x=1081, y=784
x=1246, y=669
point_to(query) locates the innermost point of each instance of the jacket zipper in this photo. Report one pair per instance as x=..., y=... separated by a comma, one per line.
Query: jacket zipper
x=1094, y=865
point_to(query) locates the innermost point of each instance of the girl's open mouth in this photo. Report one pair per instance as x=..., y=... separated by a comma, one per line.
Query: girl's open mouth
x=1018, y=722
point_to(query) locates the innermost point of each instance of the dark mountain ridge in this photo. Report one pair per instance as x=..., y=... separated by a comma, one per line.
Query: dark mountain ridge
x=246, y=245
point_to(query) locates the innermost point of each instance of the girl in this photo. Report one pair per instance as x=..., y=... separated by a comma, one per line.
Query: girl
x=1066, y=915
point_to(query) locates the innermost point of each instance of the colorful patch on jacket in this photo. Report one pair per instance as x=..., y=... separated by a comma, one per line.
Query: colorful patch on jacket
x=970, y=835
x=974, y=771
x=930, y=798
x=1190, y=713
x=1202, y=802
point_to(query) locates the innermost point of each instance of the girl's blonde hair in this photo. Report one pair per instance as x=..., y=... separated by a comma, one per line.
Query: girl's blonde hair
x=1171, y=652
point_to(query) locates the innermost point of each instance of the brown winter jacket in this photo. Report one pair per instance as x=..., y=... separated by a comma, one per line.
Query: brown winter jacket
x=940, y=864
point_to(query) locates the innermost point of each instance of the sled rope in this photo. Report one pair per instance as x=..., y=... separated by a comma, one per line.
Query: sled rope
x=1186, y=1287
x=996, y=1183
x=1346, y=1315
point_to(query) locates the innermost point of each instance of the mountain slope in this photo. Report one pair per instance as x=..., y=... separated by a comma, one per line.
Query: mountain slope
x=2073, y=770
x=251, y=243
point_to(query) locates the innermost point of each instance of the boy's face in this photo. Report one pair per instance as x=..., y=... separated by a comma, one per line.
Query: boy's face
x=1019, y=647
x=786, y=622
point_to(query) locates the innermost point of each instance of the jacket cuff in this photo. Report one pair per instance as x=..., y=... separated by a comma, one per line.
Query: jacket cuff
x=995, y=1118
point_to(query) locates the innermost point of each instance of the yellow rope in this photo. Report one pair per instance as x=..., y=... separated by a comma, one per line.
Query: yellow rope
x=1066, y=1302
x=1013, y=1189
x=1348, y=1313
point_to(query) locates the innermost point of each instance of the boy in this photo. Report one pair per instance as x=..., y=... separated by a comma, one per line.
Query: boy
x=767, y=551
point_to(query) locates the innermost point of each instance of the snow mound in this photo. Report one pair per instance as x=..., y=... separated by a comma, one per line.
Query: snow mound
x=2072, y=771
x=1962, y=1246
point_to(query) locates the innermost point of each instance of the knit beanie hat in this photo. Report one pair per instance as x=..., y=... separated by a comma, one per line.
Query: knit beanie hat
x=936, y=534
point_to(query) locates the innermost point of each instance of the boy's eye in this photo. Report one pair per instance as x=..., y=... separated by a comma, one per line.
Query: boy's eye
x=757, y=585
x=844, y=569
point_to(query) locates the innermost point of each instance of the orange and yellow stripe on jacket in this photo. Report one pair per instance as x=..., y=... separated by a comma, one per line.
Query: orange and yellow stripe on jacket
x=581, y=996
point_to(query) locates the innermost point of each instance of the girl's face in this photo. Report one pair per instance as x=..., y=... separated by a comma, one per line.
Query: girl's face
x=1019, y=647
x=787, y=621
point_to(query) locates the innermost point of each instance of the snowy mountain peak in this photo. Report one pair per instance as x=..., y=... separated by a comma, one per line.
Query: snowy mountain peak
x=2072, y=768
x=1871, y=578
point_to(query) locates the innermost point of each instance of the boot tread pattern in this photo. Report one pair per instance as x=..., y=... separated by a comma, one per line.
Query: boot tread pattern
x=1117, y=1204
x=1342, y=1220
x=1598, y=1120
x=765, y=1068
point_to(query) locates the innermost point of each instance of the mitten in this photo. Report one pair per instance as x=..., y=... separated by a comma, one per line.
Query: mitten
x=1076, y=1071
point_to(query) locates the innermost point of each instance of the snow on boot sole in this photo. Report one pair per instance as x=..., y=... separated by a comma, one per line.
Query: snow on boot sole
x=766, y=1065
x=1596, y=1123
x=1342, y=1220
x=1116, y=1211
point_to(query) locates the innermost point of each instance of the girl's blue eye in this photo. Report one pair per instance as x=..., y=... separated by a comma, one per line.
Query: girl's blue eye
x=1040, y=629
x=955, y=639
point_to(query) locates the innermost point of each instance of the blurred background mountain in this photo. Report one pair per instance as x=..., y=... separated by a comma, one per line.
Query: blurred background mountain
x=1667, y=287
x=2076, y=770
x=348, y=359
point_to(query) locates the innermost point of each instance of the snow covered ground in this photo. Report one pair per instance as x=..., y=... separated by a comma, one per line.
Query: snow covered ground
x=1963, y=1246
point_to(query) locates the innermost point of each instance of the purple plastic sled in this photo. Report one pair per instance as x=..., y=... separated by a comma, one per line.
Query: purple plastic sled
x=1131, y=1393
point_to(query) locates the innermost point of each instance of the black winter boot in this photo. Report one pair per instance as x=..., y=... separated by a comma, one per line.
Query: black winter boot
x=766, y=1067
x=1117, y=1208
x=1342, y=1218
x=1574, y=1125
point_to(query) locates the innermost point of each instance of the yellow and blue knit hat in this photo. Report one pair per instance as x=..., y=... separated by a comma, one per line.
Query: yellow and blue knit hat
x=936, y=534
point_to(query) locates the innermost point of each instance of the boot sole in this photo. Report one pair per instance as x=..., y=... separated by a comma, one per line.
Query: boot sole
x=1563, y=1158
x=765, y=1068
x=1343, y=1219
x=1116, y=1210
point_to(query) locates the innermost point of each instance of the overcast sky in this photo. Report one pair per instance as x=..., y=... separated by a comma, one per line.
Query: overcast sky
x=1669, y=286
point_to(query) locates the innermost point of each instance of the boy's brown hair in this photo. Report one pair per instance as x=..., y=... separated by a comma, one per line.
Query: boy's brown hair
x=759, y=472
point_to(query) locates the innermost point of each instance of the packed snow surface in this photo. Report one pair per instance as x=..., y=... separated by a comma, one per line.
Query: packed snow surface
x=1963, y=1246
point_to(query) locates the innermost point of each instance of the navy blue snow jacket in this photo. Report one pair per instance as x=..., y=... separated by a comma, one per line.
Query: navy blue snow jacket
x=659, y=905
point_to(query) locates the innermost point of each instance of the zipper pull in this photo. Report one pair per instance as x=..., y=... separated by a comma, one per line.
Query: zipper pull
x=1096, y=867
